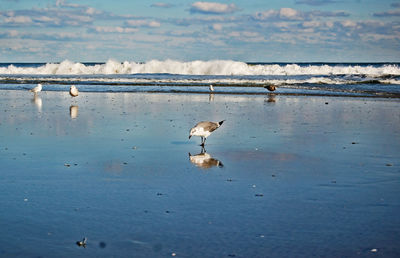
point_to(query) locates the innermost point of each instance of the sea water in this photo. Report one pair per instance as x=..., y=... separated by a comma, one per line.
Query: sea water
x=226, y=76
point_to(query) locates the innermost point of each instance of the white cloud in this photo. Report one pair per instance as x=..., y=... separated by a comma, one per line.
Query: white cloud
x=142, y=23
x=162, y=5
x=348, y=24
x=389, y=13
x=217, y=26
x=117, y=29
x=281, y=14
x=18, y=19
x=289, y=13
x=212, y=8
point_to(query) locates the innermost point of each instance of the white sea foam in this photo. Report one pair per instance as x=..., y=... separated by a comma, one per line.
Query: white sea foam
x=215, y=67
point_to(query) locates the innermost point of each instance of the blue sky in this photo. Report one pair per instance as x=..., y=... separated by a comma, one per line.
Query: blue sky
x=242, y=30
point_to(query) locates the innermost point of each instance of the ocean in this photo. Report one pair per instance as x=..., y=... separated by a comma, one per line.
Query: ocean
x=226, y=76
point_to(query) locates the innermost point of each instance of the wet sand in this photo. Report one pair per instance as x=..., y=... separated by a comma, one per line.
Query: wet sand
x=284, y=176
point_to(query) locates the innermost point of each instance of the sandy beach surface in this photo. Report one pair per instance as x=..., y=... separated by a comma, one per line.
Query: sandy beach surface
x=284, y=176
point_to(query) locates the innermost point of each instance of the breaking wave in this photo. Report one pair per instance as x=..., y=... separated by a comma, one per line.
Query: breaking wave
x=215, y=67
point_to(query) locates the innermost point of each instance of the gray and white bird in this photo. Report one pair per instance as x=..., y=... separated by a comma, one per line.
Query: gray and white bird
x=73, y=91
x=36, y=89
x=204, y=129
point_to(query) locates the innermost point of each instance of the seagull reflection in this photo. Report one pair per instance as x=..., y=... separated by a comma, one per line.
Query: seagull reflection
x=204, y=160
x=271, y=98
x=73, y=111
x=211, y=97
x=37, y=101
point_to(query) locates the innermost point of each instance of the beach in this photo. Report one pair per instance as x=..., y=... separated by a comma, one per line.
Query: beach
x=297, y=176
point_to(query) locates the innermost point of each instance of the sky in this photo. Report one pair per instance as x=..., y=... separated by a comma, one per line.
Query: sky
x=183, y=30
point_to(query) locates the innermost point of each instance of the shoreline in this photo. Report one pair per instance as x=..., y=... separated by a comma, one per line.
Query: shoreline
x=270, y=94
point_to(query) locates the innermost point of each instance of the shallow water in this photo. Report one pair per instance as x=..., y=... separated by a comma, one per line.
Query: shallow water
x=301, y=176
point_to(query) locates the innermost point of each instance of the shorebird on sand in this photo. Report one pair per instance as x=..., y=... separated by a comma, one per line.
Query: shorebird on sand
x=204, y=129
x=37, y=89
x=73, y=91
x=270, y=87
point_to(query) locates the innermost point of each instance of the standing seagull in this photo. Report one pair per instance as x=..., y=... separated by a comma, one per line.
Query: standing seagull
x=37, y=89
x=204, y=129
x=73, y=91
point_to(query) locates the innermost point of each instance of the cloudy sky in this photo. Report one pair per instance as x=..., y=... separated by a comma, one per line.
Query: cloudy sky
x=242, y=30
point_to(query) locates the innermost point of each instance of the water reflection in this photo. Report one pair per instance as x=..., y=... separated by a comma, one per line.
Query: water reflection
x=211, y=97
x=204, y=160
x=271, y=98
x=37, y=101
x=73, y=111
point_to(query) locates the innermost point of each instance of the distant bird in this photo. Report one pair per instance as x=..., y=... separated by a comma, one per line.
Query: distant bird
x=82, y=243
x=211, y=87
x=270, y=87
x=37, y=89
x=204, y=129
x=73, y=91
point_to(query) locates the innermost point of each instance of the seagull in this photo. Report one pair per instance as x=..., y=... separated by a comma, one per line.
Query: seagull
x=204, y=129
x=73, y=91
x=270, y=87
x=37, y=89
x=211, y=87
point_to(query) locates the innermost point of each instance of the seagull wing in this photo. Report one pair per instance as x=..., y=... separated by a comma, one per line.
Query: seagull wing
x=208, y=126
